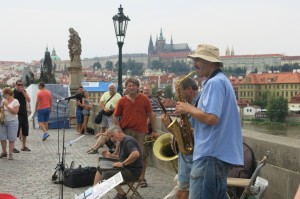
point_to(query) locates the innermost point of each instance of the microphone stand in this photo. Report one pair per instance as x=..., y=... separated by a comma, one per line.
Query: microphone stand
x=60, y=167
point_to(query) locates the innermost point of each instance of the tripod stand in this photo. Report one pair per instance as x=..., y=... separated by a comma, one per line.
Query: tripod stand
x=57, y=177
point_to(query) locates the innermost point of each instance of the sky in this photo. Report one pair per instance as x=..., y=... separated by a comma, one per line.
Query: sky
x=27, y=27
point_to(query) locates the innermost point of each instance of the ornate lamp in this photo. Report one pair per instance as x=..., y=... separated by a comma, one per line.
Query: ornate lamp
x=120, y=24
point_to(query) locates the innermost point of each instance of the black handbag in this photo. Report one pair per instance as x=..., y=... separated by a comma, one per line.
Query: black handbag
x=98, y=118
x=79, y=177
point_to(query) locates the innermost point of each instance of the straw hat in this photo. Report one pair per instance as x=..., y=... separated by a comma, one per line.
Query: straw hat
x=208, y=53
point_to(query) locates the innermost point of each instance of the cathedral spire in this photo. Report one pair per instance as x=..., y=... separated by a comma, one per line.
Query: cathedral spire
x=161, y=37
x=150, y=46
x=227, y=53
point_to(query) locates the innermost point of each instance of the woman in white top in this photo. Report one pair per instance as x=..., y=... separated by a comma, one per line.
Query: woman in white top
x=9, y=129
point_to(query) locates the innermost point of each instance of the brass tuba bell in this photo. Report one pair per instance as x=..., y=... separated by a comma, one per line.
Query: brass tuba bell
x=162, y=149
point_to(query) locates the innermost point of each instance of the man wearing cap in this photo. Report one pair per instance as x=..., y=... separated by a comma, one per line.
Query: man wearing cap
x=217, y=128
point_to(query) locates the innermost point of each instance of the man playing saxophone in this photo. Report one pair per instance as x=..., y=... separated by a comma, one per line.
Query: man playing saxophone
x=191, y=95
x=217, y=130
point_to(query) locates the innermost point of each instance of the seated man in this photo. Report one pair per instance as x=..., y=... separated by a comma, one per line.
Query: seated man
x=129, y=160
x=102, y=139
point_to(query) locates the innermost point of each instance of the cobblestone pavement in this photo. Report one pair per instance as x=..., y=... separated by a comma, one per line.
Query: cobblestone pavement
x=28, y=176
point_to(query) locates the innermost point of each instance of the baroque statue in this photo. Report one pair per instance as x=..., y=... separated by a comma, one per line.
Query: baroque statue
x=74, y=46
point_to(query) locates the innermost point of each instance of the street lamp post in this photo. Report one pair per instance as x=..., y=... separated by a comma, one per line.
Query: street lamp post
x=120, y=24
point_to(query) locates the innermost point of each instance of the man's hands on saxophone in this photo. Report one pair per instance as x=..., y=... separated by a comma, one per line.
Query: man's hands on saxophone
x=186, y=108
x=183, y=108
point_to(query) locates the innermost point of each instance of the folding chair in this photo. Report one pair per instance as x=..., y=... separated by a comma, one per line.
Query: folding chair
x=248, y=184
x=133, y=187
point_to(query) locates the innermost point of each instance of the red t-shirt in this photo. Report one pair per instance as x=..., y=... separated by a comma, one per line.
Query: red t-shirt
x=44, y=99
x=134, y=115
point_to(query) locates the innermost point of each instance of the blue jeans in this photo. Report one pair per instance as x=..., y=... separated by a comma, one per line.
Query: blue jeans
x=184, y=169
x=209, y=179
x=79, y=116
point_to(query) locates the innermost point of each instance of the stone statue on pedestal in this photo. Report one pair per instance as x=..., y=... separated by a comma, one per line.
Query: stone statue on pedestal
x=74, y=46
x=75, y=69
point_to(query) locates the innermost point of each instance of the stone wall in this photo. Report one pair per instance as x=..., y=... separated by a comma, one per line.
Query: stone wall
x=282, y=169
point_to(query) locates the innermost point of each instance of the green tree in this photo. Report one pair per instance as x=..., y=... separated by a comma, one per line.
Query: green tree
x=47, y=72
x=277, y=109
x=262, y=101
x=235, y=71
x=178, y=67
x=154, y=90
x=109, y=65
x=156, y=64
x=168, y=92
x=27, y=81
x=97, y=65
x=135, y=67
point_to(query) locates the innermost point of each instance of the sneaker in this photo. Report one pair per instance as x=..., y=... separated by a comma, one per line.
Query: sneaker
x=15, y=150
x=119, y=196
x=45, y=136
x=3, y=155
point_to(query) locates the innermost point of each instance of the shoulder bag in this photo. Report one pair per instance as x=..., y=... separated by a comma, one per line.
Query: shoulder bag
x=98, y=118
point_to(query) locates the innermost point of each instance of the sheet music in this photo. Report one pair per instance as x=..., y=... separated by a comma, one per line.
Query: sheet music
x=101, y=189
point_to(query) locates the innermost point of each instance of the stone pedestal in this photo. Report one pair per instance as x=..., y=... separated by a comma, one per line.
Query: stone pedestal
x=75, y=71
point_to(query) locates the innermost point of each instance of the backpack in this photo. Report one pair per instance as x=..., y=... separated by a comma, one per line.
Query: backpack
x=245, y=171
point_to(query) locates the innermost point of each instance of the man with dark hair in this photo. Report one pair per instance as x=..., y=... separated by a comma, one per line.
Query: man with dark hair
x=21, y=95
x=129, y=159
x=191, y=95
x=43, y=107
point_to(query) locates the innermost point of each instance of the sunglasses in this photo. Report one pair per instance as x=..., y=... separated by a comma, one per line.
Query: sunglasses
x=20, y=84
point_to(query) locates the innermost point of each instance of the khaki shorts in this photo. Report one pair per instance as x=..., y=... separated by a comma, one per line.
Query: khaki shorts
x=140, y=137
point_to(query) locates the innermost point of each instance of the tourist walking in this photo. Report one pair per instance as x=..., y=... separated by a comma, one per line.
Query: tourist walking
x=43, y=108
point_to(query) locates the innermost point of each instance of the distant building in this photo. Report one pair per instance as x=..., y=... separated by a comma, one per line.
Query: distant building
x=290, y=60
x=261, y=62
x=294, y=104
x=251, y=110
x=137, y=57
x=286, y=84
x=167, y=53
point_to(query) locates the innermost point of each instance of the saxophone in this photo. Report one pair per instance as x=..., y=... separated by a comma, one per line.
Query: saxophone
x=183, y=132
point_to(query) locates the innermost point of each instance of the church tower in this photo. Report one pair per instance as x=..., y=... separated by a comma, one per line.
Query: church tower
x=150, y=46
x=160, y=42
x=171, y=44
x=232, y=51
x=227, y=53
